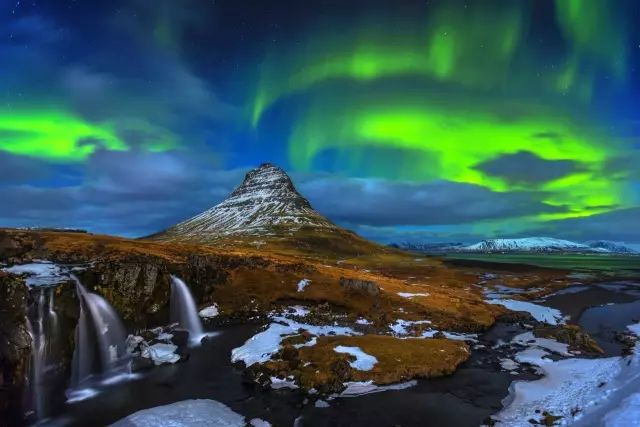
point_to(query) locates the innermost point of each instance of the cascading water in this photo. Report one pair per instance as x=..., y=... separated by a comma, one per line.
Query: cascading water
x=42, y=324
x=183, y=310
x=100, y=339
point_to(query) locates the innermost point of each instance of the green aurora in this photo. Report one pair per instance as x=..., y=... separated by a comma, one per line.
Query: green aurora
x=479, y=60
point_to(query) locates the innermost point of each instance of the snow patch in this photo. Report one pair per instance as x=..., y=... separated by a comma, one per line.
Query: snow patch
x=187, y=413
x=278, y=383
x=528, y=339
x=209, y=312
x=540, y=313
x=412, y=295
x=303, y=284
x=574, y=389
x=41, y=273
x=363, y=362
x=260, y=347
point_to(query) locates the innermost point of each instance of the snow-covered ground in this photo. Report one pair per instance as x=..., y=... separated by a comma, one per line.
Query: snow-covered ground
x=363, y=362
x=412, y=295
x=581, y=391
x=40, y=273
x=539, y=312
x=402, y=328
x=187, y=413
x=260, y=347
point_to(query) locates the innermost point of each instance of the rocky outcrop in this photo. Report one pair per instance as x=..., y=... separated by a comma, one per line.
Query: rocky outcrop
x=364, y=286
x=15, y=347
x=573, y=335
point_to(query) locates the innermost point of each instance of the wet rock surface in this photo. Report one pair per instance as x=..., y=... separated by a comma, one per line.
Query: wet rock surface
x=15, y=347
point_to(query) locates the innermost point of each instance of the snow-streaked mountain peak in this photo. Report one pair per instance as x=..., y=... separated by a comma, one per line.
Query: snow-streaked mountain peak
x=265, y=200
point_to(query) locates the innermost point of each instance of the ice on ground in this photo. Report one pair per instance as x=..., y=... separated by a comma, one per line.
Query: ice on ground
x=399, y=327
x=209, y=312
x=412, y=295
x=260, y=347
x=540, y=313
x=278, y=383
x=322, y=404
x=187, y=413
x=528, y=339
x=574, y=389
x=363, y=321
x=626, y=414
x=450, y=335
x=509, y=364
x=367, y=387
x=42, y=273
x=303, y=284
x=161, y=353
x=257, y=422
x=298, y=310
x=363, y=362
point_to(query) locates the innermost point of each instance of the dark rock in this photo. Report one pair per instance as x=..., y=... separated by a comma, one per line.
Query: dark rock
x=141, y=364
x=358, y=285
x=180, y=337
x=15, y=348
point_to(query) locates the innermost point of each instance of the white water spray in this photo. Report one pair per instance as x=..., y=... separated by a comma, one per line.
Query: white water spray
x=100, y=339
x=183, y=310
x=42, y=326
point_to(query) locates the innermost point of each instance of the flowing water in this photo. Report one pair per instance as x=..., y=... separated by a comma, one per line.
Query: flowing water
x=100, y=340
x=42, y=324
x=184, y=311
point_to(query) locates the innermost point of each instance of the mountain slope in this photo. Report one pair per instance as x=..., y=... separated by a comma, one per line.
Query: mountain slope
x=267, y=209
x=610, y=246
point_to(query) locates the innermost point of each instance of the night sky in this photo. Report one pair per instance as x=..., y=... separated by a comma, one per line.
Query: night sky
x=404, y=121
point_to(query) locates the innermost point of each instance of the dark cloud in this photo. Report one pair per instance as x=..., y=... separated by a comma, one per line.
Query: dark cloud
x=525, y=167
x=386, y=203
x=129, y=193
x=618, y=225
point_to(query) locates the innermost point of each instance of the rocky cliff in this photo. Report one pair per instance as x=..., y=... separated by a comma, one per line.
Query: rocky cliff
x=15, y=348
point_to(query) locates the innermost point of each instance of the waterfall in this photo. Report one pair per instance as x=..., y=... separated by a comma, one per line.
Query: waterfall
x=100, y=339
x=42, y=325
x=183, y=310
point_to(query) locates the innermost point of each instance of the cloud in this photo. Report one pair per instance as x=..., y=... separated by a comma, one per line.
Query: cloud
x=129, y=193
x=525, y=167
x=387, y=203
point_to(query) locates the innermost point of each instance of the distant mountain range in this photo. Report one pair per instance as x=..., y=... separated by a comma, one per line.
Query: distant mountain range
x=526, y=244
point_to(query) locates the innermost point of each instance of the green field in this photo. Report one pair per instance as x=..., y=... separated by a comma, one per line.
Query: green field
x=627, y=264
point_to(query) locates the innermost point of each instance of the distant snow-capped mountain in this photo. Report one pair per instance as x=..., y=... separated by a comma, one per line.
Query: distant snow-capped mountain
x=526, y=244
x=610, y=246
x=427, y=247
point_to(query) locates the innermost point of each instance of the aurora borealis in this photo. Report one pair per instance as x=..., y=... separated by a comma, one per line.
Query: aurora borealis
x=438, y=120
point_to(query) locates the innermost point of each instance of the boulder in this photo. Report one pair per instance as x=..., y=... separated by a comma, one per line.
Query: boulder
x=365, y=286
